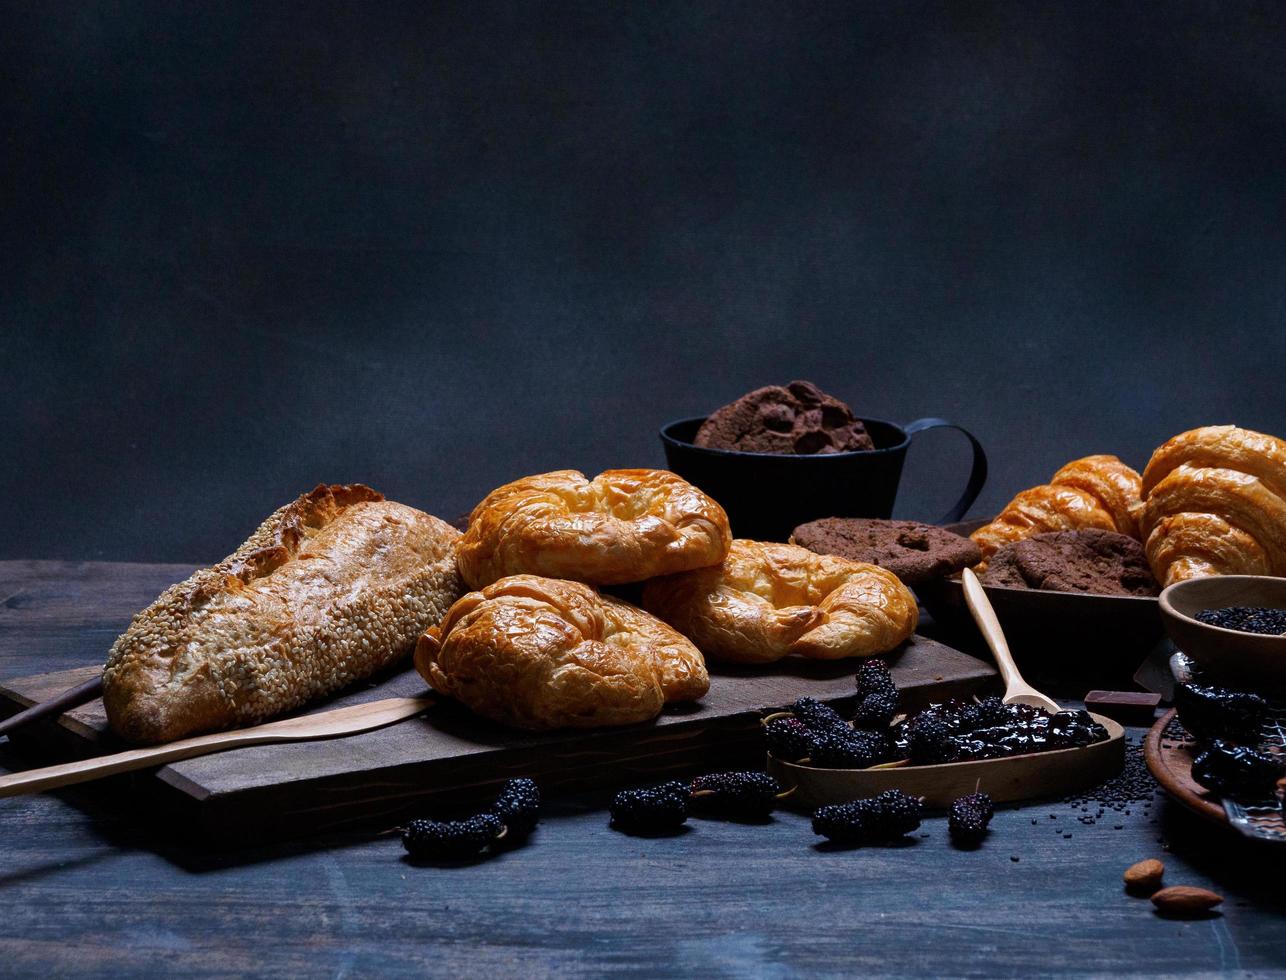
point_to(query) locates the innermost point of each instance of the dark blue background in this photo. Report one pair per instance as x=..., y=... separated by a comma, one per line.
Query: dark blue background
x=434, y=246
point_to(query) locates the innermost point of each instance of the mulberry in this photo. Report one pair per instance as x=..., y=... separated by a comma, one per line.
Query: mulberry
x=518, y=807
x=1237, y=771
x=882, y=818
x=788, y=738
x=745, y=795
x=1217, y=713
x=451, y=839
x=653, y=810
x=931, y=741
x=968, y=819
x=818, y=717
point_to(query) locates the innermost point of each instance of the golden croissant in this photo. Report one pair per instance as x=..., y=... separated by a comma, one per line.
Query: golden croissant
x=622, y=526
x=1215, y=504
x=540, y=653
x=766, y=601
x=1091, y=492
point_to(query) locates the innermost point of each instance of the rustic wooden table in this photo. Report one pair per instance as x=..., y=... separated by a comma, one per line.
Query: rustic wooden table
x=90, y=886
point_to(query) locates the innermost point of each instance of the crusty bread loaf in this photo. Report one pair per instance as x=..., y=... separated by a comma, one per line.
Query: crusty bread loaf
x=330, y=588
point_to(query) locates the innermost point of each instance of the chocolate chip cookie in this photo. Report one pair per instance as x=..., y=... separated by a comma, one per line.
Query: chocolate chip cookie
x=799, y=419
x=916, y=553
x=1092, y=560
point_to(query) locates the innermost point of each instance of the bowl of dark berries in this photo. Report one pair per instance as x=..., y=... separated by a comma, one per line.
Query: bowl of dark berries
x=1233, y=626
x=948, y=750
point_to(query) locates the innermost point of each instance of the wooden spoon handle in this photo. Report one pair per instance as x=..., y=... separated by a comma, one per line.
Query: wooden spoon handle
x=73, y=698
x=324, y=724
x=84, y=770
x=980, y=606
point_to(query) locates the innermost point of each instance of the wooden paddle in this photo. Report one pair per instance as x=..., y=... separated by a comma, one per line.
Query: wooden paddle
x=324, y=724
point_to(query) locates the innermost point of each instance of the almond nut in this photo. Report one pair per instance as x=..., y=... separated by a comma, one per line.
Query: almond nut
x=1180, y=900
x=1145, y=876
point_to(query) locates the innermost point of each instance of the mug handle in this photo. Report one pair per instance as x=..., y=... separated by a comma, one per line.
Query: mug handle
x=977, y=475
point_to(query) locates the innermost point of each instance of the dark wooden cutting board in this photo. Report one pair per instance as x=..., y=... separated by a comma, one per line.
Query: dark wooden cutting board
x=379, y=778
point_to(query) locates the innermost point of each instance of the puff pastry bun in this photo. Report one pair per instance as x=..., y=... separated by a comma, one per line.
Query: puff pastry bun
x=622, y=526
x=1091, y=492
x=766, y=601
x=541, y=653
x=1215, y=504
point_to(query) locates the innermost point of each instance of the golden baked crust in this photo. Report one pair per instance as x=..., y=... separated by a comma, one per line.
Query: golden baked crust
x=1216, y=504
x=541, y=653
x=766, y=601
x=329, y=589
x=1092, y=492
x=622, y=526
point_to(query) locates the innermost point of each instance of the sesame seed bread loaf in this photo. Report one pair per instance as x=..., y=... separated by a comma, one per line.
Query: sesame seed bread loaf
x=331, y=588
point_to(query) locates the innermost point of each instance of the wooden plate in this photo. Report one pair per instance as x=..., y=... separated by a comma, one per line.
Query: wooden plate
x=1170, y=762
x=1015, y=777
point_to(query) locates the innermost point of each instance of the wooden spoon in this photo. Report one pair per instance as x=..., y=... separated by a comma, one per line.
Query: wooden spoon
x=324, y=724
x=1017, y=690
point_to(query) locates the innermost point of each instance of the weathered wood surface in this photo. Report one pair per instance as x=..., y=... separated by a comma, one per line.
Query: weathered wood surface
x=91, y=887
x=380, y=777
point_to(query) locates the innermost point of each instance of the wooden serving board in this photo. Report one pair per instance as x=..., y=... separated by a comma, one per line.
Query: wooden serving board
x=379, y=778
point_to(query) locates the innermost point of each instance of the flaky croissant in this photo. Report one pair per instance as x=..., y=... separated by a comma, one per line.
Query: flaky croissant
x=1091, y=492
x=766, y=601
x=1215, y=504
x=622, y=526
x=541, y=653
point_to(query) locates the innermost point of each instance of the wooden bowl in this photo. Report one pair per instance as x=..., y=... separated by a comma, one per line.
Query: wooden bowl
x=1015, y=777
x=1247, y=658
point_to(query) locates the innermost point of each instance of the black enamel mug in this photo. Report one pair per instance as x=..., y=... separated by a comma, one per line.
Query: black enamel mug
x=768, y=495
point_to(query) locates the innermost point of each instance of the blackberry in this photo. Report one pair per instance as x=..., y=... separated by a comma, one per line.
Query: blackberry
x=818, y=717
x=930, y=740
x=652, y=810
x=788, y=738
x=451, y=839
x=1238, y=771
x=848, y=749
x=876, y=711
x=886, y=817
x=874, y=677
x=518, y=807
x=968, y=819
x=1210, y=712
x=746, y=795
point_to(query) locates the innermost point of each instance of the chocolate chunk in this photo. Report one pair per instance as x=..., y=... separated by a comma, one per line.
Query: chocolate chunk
x=799, y=419
x=1127, y=707
x=916, y=553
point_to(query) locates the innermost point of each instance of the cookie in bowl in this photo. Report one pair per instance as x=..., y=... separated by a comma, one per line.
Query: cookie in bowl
x=1093, y=561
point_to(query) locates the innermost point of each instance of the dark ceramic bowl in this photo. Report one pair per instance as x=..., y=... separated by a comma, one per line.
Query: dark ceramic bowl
x=768, y=495
x=1059, y=637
